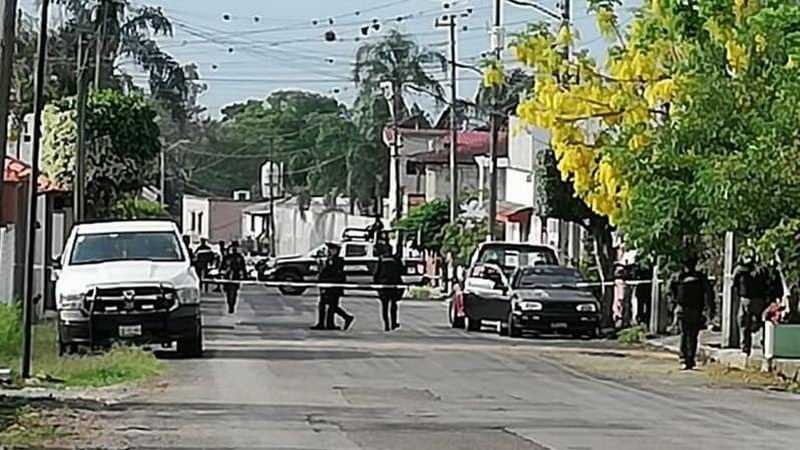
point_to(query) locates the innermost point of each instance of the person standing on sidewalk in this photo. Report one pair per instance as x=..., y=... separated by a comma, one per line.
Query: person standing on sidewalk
x=692, y=293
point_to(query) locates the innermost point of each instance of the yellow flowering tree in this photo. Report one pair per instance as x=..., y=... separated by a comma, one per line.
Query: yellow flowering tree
x=661, y=136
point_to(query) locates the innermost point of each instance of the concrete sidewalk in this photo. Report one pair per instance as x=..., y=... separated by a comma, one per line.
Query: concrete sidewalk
x=711, y=350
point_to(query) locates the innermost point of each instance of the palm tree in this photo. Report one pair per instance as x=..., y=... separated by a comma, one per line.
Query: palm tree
x=399, y=60
x=117, y=28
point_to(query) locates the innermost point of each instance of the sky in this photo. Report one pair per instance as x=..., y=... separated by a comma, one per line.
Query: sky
x=248, y=48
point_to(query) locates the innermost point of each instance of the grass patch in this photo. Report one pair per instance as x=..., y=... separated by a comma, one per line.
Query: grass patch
x=632, y=335
x=28, y=428
x=423, y=293
x=732, y=376
x=119, y=365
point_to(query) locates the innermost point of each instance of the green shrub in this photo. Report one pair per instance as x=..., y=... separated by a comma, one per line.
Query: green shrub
x=632, y=335
x=10, y=332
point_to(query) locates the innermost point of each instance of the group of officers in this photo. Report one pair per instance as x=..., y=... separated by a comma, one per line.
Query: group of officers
x=389, y=272
x=230, y=262
x=232, y=267
x=756, y=286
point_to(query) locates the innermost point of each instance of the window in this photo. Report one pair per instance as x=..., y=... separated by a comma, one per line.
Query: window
x=199, y=223
x=194, y=221
x=252, y=223
x=355, y=250
x=412, y=168
x=104, y=247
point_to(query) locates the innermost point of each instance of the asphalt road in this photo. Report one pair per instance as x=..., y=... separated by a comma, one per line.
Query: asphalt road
x=267, y=382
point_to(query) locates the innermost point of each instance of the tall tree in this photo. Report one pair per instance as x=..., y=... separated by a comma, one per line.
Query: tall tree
x=399, y=60
x=124, y=162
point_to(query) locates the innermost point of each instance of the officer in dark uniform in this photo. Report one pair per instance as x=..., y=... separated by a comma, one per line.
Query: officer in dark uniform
x=389, y=271
x=751, y=300
x=692, y=292
x=204, y=257
x=375, y=230
x=234, y=269
x=332, y=271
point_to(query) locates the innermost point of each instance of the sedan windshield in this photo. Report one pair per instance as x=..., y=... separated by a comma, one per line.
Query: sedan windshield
x=541, y=278
x=106, y=247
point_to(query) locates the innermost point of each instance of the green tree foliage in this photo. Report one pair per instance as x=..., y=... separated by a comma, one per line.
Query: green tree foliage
x=726, y=157
x=462, y=238
x=137, y=208
x=128, y=137
x=427, y=221
x=310, y=134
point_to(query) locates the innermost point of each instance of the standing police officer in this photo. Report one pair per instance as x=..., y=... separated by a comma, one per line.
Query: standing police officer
x=234, y=269
x=389, y=271
x=692, y=292
x=332, y=271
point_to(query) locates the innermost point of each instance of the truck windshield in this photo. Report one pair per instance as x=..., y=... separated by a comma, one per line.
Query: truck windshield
x=106, y=247
x=511, y=257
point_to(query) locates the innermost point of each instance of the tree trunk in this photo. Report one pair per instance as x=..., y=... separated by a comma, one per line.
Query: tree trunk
x=605, y=258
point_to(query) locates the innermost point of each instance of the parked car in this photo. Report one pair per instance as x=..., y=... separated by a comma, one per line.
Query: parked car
x=508, y=256
x=129, y=281
x=360, y=260
x=540, y=299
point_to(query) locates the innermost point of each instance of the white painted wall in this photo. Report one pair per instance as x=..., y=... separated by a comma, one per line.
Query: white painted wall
x=196, y=217
x=437, y=180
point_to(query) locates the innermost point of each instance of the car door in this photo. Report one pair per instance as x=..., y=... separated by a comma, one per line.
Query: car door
x=496, y=301
x=477, y=293
x=357, y=262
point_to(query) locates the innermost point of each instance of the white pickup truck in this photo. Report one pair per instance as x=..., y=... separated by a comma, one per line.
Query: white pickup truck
x=127, y=281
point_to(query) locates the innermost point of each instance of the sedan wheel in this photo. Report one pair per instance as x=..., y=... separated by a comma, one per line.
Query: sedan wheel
x=502, y=328
x=513, y=331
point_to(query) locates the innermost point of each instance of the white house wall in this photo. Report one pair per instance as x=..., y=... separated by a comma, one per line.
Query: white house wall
x=199, y=207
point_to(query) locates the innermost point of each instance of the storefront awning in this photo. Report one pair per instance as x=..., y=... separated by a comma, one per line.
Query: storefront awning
x=513, y=212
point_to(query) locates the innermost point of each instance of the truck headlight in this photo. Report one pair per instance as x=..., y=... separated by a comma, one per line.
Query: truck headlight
x=587, y=307
x=530, y=306
x=188, y=296
x=70, y=301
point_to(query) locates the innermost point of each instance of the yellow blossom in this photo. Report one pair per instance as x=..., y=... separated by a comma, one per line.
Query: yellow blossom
x=737, y=56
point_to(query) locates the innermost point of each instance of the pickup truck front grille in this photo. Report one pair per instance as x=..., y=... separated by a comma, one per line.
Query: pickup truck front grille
x=130, y=300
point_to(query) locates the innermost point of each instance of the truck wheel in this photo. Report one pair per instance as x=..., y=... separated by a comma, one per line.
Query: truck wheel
x=513, y=331
x=291, y=277
x=65, y=348
x=192, y=347
x=455, y=321
x=471, y=324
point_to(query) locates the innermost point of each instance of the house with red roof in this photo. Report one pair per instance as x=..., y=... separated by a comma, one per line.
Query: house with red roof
x=53, y=221
x=424, y=160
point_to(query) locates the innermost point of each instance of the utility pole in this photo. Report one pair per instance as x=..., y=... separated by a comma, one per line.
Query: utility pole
x=271, y=198
x=100, y=46
x=33, y=186
x=450, y=21
x=497, y=48
x=391, y=90
x=163, y=177
x=79, y=182
x=8, y=36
